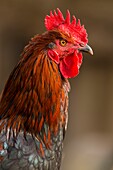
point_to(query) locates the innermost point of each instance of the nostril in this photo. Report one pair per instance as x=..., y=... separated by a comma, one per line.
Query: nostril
x=82, y=45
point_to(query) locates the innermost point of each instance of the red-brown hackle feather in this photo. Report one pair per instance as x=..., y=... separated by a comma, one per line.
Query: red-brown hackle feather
x=32, y=95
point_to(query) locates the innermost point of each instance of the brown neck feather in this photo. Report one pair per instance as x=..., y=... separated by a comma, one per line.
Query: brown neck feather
x=33, y=92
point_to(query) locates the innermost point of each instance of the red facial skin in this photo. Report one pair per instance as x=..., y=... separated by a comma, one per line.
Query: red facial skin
x=68, y=57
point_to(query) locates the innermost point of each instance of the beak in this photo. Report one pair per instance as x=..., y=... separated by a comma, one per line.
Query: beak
x=87, y=49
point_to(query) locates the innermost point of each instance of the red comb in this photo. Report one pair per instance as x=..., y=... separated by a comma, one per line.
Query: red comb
x=57, y=21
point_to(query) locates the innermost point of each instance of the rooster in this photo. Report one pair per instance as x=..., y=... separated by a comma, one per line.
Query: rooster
x=34, y=103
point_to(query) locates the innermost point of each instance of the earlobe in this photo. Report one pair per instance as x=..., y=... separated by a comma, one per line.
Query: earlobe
x=54, y=56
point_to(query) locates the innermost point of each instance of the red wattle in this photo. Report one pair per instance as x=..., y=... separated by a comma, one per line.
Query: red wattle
x=70, y=65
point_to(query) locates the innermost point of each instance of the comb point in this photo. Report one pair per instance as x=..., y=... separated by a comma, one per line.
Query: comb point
x=73, y=21
x=60, y=14
x=67, y=20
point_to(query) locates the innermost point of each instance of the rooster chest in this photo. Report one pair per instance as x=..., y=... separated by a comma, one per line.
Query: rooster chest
x=25, y=154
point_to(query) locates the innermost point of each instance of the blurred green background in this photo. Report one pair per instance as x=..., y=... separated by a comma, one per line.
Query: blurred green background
x=89, y=139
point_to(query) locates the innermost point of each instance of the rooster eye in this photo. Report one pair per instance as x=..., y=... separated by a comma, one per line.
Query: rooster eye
x=63, y=42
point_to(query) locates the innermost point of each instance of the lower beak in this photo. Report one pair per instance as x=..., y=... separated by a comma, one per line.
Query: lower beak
x=87, y=49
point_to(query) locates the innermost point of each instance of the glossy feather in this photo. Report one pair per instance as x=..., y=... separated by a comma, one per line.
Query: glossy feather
x=34, y=103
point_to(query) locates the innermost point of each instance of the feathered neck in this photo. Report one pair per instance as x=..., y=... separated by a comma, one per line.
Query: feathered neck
x=32, y=95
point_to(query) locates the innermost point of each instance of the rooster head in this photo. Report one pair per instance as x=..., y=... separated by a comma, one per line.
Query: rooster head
x=66, y=49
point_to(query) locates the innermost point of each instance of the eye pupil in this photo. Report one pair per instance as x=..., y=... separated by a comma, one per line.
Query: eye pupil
x=63, y=42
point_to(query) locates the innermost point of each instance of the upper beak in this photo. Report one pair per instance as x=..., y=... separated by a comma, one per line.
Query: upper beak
x=87, y=49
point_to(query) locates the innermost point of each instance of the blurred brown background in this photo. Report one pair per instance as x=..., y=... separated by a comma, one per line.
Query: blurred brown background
x=89, y=140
